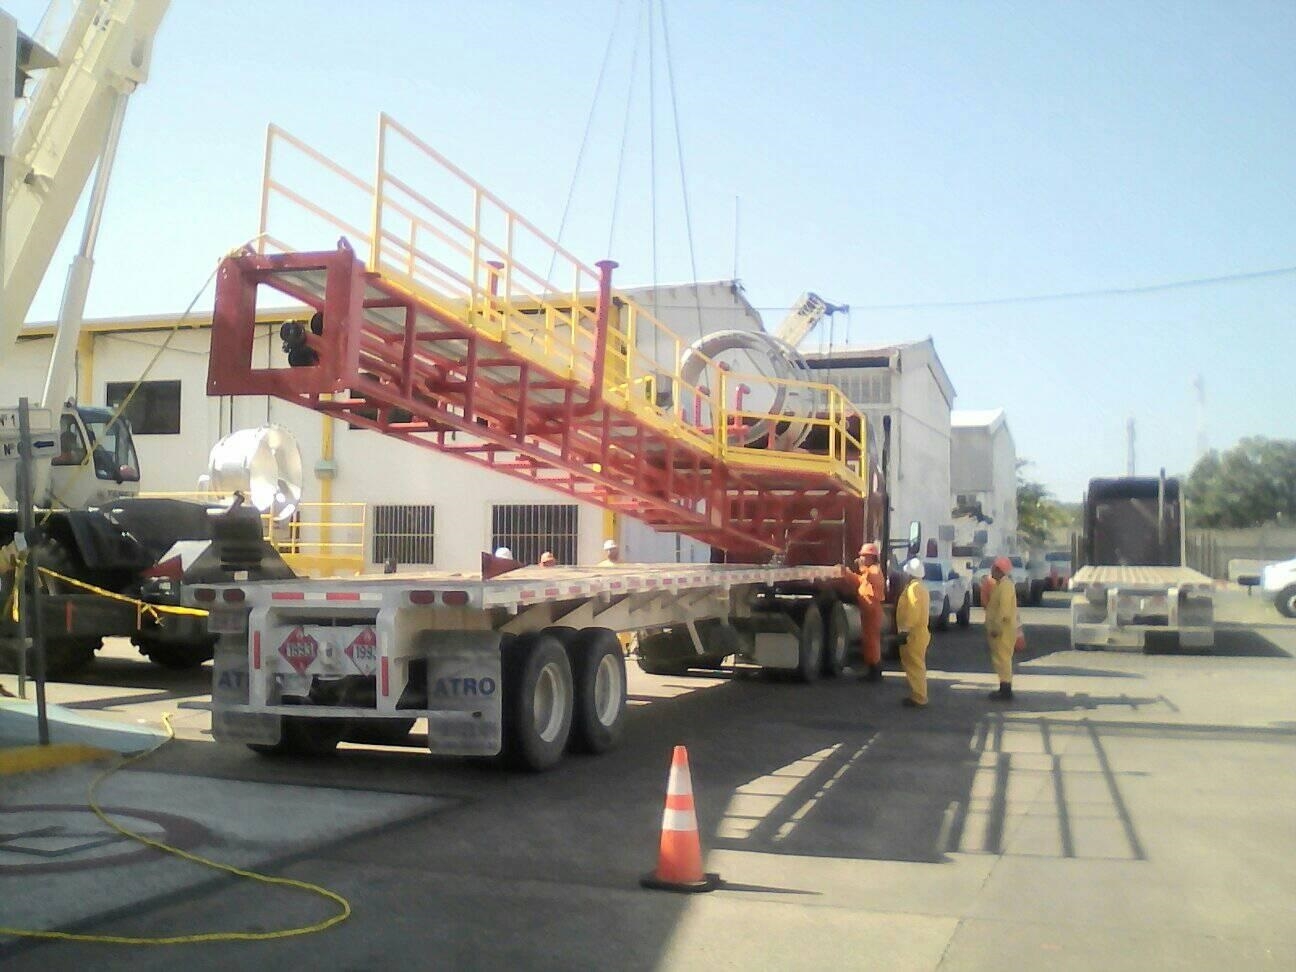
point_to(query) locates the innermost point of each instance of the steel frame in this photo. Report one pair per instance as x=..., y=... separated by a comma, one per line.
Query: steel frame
x=519, y=418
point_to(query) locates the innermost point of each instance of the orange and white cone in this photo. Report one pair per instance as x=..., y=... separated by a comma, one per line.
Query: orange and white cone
x=679, y=861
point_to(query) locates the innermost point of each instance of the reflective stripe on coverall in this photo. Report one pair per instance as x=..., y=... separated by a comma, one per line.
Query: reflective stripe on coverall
x=913, y=615
x=872, y=592
x=1001, y=627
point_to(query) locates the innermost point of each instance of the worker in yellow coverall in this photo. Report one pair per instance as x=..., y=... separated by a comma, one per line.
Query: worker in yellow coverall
x=1001, y=626
x=913, y=615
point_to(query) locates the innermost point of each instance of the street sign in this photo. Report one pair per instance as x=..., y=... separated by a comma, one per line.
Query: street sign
x=44, y=444
x=44, y=439
x=40, y=421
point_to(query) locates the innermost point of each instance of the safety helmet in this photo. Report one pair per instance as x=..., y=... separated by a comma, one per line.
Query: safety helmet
x=504, y=553
x=869, y=550
x=609, y=544
x=914, y=568
x=1004, y=565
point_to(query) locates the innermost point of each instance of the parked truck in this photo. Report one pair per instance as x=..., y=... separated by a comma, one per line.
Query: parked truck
x=465, y=350
x=1134, y=589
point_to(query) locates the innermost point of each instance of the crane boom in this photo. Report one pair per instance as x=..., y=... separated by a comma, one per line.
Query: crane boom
x=103, y=52
x=808, y=311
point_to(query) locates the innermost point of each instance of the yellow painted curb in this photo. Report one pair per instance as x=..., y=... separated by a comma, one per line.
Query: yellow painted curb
x=25, y=759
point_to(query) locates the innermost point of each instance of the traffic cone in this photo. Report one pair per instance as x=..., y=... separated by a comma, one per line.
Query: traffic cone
x=679, y=862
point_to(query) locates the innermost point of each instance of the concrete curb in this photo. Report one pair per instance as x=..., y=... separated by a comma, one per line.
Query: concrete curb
x=27, y=759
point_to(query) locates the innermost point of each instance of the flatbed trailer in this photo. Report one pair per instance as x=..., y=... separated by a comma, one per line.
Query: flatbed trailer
x=1119, y=607
x=1134, y=586
x=526, y=665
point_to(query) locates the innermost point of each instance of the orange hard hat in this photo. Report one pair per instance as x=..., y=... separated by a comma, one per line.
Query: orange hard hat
x=1003, y=564
x=869, y=550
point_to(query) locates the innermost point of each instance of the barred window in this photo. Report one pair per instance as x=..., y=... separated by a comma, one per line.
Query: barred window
x=154, y=409
x=405, y=534
x=871, y=387
x=530, y=529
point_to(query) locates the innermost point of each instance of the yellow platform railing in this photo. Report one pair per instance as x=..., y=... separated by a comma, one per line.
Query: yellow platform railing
x=432, y=230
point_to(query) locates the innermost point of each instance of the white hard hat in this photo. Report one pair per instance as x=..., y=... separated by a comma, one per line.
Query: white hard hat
x=504, y=553
x=609, y=544
x=914, y=569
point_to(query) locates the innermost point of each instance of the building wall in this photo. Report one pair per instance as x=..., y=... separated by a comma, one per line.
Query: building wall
x=983, y=464
x=1004, y=496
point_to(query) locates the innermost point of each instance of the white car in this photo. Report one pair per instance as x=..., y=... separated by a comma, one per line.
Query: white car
x=949, y=591
x=1279, y=582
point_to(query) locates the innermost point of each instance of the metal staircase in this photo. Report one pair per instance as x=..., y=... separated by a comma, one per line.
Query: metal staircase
x=429, y=323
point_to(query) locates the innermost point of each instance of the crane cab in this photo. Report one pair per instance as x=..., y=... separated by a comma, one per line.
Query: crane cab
x=96, y=462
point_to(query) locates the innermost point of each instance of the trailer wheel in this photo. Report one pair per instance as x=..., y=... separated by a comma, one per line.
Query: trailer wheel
x=173, y=654
x=843, y=631
x=810, y=646
x=942, y=622
x=1286, y=601
x=537, y=701
x=599, y=675
x=964, y=615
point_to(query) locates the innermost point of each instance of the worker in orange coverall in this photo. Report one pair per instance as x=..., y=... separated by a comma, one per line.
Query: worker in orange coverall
x=871, y=592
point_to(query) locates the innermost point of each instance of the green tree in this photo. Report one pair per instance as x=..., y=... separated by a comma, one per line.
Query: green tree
x=1038, y=514
x=1251, y=484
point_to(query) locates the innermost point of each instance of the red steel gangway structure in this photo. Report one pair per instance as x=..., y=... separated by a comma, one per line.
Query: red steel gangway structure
x=443, y=318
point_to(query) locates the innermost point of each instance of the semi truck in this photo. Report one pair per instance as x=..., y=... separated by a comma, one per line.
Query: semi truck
x=431, y=328
x=1134, y=589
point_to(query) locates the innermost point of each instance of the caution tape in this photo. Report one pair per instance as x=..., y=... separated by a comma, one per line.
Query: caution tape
x=143, y=609
x=344, y=906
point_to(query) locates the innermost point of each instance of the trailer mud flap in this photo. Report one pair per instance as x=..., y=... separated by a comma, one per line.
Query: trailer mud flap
x=464, y=692
x=230, y=684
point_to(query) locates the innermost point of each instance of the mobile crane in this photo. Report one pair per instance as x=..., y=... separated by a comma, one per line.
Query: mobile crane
x=91, y=528
x=428, y=326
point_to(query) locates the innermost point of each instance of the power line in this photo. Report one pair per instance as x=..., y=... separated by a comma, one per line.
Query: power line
x=1083, y=294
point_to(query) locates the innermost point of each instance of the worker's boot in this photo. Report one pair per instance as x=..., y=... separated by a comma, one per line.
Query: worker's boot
x=873, y=673
x=1003, y=693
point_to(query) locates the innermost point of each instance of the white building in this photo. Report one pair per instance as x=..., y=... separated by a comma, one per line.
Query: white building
x=983, y=477
x=908, y=383
x=420, y=506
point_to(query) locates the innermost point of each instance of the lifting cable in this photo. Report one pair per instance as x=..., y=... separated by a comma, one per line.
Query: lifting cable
x=343, y=906
x=625, y=135
x=679, y=152
x=589, y=125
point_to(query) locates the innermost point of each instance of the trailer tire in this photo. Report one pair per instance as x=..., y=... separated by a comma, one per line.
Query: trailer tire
x=810, y=645
x=964, y=616
x=843, y=631
x=538, y=701
x=942, y=622
x=1286, y=601
x=599, y=677
x=173, y=654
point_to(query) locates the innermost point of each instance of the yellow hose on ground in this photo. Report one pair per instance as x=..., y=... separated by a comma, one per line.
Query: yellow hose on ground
x=344, y=906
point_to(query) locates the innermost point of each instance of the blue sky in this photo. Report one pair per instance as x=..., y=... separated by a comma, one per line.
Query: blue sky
x=884, y=154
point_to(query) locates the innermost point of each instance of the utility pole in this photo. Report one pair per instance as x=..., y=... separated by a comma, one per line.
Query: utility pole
x=1129, y=439
x=1199, y=385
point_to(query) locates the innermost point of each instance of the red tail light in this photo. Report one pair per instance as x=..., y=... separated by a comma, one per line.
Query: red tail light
x=233, y=595
x=422, y=597
x=455, y=598
x=204, y=595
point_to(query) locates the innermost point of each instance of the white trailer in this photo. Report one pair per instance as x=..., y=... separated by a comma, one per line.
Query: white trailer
x=1135, y=586
x=1119, y=607
x=526, y=665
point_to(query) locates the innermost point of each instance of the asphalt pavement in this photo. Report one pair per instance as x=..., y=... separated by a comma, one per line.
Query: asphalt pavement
x=1126, y=811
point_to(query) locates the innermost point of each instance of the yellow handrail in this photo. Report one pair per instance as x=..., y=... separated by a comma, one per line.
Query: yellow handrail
x=467, y=253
